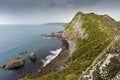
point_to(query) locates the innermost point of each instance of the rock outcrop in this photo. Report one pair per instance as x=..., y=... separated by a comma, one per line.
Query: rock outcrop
x=75, y=29
x=33, y=56
x=14, y=63
x=23, y=52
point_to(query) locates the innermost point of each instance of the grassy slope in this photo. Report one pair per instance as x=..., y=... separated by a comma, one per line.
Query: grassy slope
x=100, y=35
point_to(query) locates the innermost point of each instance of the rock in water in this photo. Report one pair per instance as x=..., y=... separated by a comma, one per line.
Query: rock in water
x=23, y=52
x=14, y=63
x=33, y=56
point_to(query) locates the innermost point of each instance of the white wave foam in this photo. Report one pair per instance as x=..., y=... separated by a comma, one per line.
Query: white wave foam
x=46, y=37
x=49, y=58
x=43, y=60
x=57, y=51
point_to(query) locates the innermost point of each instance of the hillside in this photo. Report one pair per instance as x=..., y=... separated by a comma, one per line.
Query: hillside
x=91, y=33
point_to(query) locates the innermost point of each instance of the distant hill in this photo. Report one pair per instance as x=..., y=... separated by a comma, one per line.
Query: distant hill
x=56, y=24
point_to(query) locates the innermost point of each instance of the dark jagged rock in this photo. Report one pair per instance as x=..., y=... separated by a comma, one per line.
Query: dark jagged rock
x=23, y=52
x=2, y=67
x=33, y=56
x=55, y=35
x=13, y=64
x=60, y=32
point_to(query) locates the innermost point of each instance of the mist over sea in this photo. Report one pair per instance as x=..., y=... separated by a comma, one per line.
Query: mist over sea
x=16, y=38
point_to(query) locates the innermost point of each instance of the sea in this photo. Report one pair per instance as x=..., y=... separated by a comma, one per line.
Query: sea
x=17, y=38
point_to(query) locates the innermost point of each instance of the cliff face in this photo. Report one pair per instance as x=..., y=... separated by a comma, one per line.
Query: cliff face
x=74, y=29
x=93, y=35
x=80, y=24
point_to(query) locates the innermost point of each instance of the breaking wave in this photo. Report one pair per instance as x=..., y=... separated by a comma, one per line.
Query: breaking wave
x=49, y=58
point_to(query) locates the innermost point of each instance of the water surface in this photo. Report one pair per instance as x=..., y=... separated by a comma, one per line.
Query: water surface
x=16, y=38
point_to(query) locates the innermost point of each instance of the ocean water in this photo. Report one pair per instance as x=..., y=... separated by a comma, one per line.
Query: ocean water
x=16, y=38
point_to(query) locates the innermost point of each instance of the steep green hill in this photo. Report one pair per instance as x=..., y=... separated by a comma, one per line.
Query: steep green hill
x=91, y=33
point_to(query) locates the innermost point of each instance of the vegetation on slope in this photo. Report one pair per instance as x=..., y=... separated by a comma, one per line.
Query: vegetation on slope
x=87, y=49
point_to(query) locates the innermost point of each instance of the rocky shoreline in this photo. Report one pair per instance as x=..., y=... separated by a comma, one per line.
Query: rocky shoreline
x=56, y=64
x=59, y=62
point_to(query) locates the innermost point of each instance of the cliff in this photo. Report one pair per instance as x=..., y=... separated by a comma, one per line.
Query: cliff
x=92, y=34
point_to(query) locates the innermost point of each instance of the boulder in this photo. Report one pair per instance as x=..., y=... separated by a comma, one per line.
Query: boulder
x=2, y=67
x=53, y=34
x=14, y=63
x=23, y=52
x=33, y=56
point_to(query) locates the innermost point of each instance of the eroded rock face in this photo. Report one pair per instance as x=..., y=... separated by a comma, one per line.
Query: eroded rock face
x=33, y=56
x=75, y=29
x=14, y=63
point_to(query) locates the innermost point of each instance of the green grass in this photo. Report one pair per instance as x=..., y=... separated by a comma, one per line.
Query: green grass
x=99, y=36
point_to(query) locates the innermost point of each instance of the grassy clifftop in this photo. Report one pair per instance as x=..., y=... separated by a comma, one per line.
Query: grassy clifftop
x=91, y=33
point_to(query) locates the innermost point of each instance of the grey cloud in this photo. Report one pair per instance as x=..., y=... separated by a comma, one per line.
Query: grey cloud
x=24, y=4
x=35, y=11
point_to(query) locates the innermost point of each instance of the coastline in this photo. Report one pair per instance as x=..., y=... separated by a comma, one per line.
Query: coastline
x=59, y=62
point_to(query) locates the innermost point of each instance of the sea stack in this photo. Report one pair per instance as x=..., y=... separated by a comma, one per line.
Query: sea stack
x=14, y=63
x=33, y=56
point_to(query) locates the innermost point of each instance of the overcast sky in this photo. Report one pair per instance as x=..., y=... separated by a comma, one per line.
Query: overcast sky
x=45, y=11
